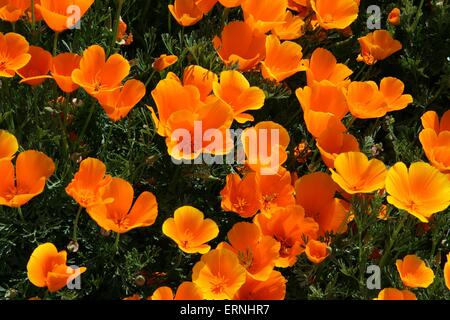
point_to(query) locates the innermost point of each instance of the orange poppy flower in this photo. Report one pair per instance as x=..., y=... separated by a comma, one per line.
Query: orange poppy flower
x=37, y=69
x=120, y=215
x=88, y=184
x=377, y=45
x=219, y=275
x=96, y=74
x=201, y=78
x=447, y=272
x=13, y=54
x=430, y=120
x=292, y=28
x=19, y=186
x=422, y=190
x=365, y=100
x=332, y=143
x=274, y=288
x=190, y=230
x=186, y=291
x=256, y=253
x=13, y=10
x=239, y=195
x=355, y=173
x=323, y=66
x=395, y=294
x=58, y=16
x=117, y=104
x=264, y=15
x=315, y=192
x=392, y=90
x=205, y=131
x=276, y=190
x=61, y=70
x=8, y=145
x=282, y=59
x=316, y=251
x=333, y=14
x=437, y=148
x=167, y=96
x=164, y=61
x=186, y=12
x=47, y=268
x=265, y=146
x=240, y=45
x=235, y=91
x=289, y=227
x=394, y=17
x=414, y=272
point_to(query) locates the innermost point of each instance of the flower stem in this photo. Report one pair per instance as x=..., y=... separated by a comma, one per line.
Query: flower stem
x=75, y=224
x=55, y=43
x=116, y=23
x=116, y=243
x=86, y=123
x=19, y=210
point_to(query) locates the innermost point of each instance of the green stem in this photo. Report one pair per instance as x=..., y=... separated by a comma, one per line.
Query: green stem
x=150, y=78
x=416, y=20
x=116, y=243
x=55, y=43
x=86, y=123
x=75, y=224
x=116, y=24
x=19, y=210
x=393, y=238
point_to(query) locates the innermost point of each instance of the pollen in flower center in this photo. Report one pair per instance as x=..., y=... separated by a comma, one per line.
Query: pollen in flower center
x=218, y=286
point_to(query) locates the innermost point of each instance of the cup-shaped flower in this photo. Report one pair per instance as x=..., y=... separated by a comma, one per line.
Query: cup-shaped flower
x=47, y=268
x=8, y=145
x=333, y=14
x=394, y=17
x=118, y=103
x=376, y=46
x=19, y=186
x=59, y=14
x=282, y=59
x=88, y=185
x=365, y=100
x=315, y=192
x=234, y=89
x=13, y=54
x=219, y=275
x=395, y=294
x=274, y=288
x=332, y=143
x=239, y=195
x=257, y=253
x=164, y=61
x=118, y=213
x=37, y=69
x=289, y=226
x=316, y=251
x=437, y=148
x=190, y=230
x=422, y=190
x=96, y=74
x=414, y=272
x=186, y=12
x=13, y=10
x=392, y=89
x=265, y=147
x=264, y=15
x=355, y=173
x=323, y=66
x=240, y=45
x=62, y=68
